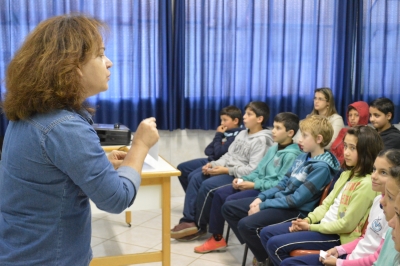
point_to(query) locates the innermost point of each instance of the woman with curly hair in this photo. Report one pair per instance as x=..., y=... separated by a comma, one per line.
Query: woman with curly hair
x=52, y=160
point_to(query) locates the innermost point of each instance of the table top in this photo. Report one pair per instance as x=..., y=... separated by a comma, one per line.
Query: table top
x=151, y=167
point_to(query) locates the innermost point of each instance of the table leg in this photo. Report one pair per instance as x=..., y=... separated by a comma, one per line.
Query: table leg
x=128, y=218
x=166, y=222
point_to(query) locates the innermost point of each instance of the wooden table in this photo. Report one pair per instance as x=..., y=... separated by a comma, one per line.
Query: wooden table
x=150, y=176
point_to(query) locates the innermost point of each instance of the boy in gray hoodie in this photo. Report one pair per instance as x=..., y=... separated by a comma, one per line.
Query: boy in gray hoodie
x=246, y=151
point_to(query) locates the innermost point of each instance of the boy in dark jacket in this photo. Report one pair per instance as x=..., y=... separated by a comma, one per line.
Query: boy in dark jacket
x=231, y=118
x=381, y=113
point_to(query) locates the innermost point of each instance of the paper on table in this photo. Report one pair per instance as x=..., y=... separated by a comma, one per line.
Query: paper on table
x=151, y=157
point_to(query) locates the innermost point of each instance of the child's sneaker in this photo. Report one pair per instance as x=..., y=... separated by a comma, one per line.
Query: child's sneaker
x=195, y=236
x=183, y=229
x=211, y=245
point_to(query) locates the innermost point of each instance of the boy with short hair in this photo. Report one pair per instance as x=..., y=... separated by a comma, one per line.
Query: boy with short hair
x=242, y=157
x=271, y=169
x=381, y=113
x=296, y=194
x=231, y=118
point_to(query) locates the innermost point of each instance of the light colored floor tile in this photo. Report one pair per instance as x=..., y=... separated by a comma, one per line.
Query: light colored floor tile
x=220, y=257
x=111, y=236
x=156, y=222
x=203, y=262
x=96, y=240
x=176, y=260
x=107, y=229
x=140, y=236
x=137, y=217
x=113, y=248
x=237, y=252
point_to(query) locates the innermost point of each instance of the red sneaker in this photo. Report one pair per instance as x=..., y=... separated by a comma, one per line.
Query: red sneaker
x=183, y=229
x=211, y=245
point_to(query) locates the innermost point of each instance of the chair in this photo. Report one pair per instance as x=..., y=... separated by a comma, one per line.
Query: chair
x=302, y=252
x=325, y=193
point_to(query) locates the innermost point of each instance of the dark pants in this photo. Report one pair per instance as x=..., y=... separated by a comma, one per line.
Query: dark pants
x=199, y=191
x=227, y=193
x=279, y=242
x=205, y=197
x=188, y=167
x=247, y=228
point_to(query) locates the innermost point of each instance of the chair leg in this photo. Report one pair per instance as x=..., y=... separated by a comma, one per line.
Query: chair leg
x=227, y=234
x=246, y=249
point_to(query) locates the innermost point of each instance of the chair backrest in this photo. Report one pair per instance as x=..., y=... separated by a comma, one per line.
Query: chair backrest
x=325, y=193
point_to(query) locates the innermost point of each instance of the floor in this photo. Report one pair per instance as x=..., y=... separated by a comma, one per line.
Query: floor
x=111, y=236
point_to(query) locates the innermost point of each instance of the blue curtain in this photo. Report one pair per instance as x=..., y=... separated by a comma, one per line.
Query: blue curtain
x=379, y=46
x=218, y=53
x=280, y=51
x=139, y=44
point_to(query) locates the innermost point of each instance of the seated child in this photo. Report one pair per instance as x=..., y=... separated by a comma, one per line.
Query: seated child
x=295, y=195
x=389, y=255
x=246, y=151
x=272, y=168
x=364, y=250
x=357, y=114
x=231, y=118
x=342, y=215
x=381, y=113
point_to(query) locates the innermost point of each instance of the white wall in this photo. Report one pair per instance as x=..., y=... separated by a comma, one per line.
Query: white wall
x=182, y=145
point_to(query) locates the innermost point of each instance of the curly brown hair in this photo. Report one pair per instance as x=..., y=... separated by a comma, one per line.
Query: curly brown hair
x=43, y=74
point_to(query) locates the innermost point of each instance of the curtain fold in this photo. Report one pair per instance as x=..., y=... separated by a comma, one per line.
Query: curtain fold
x=275, y=51
x=139, y=45
x=184, y=65
x=379, y=67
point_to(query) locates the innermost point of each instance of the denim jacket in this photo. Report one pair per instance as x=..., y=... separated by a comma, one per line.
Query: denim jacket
x=51, y=165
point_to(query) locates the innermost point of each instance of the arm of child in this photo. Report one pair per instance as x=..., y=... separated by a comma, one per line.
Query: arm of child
x=367, y=260
x=319, y=212
x=349, y=247
x=216, y=148
x=270, y=193
x=273, y=179
x=257, y=152
x=317, y=180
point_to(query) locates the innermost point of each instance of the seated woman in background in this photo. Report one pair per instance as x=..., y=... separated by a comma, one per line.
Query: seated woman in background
x=357, y=114
x=324, y=105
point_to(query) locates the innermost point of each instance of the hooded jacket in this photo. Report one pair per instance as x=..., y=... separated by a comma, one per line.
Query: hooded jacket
x=353, y=211
x=245, y=152
x=337, y=147
x=302, y=186
x=391, y=138
x=218, y=146
x=273, y=166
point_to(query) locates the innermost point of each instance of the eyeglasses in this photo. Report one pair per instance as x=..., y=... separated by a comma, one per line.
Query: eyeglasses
x=320, y=99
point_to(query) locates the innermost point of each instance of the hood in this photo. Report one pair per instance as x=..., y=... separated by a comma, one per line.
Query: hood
x=391, y=130
x=265, y=132
x=292, y=148
x=363, y=111
x=233, y=132
x=329, y=159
